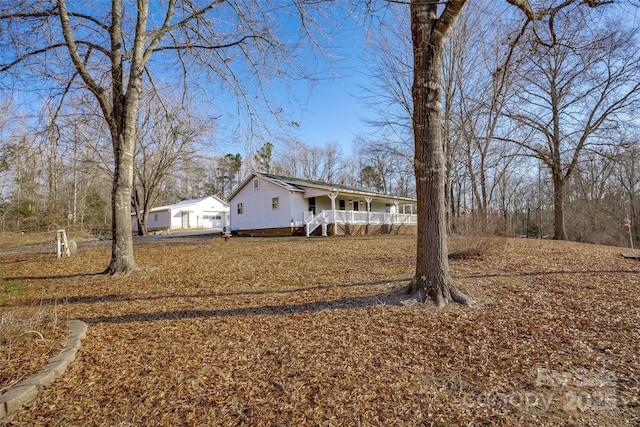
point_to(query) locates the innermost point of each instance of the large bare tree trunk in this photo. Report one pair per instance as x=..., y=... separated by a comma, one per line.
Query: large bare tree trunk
x=122, y=118
x=121, y=114
x=559, y=232
x=122, y=261
x=432, y=276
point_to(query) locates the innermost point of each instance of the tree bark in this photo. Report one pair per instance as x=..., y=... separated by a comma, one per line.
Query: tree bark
x=122, y=261
x=120, y=112
x=125, y=114
x=559, y=232
x=432, y=277
x=141, y=213
x=123, y=117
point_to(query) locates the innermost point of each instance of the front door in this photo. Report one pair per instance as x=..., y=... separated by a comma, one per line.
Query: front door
x=356, y=205
x=312, y=205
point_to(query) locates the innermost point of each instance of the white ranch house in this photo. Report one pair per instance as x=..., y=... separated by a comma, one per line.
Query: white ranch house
x=205, y=213
x=271, y=205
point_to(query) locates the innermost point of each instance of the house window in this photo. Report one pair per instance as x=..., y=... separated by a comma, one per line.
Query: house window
x=256, y=184
x=342, y=205
x=155, y=217
x=275, y=203
x=239, y=208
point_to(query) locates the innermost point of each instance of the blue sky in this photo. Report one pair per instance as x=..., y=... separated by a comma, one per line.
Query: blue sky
x=330, y=110
x=328, y=113
x=334, y=106
x=334, y=112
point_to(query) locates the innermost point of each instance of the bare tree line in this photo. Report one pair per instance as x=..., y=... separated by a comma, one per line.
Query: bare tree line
x=113, y=53
x=495, y=136
x=44, y=188
x=523, y=117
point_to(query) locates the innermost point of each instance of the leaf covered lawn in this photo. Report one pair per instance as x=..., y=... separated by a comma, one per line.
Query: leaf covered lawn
x=309, y=332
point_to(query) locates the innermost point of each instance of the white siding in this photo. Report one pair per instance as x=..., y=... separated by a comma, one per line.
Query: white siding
x=257, y=200
x=299, y=205
x=197, y=212
x=163, y=221
x=213, y=219
x=172, y=216
x=257, y=209
x=379, y=206
x=176, y=218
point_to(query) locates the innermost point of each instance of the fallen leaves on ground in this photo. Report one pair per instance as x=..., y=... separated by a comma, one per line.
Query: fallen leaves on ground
x=28, y=339
x=309, y=332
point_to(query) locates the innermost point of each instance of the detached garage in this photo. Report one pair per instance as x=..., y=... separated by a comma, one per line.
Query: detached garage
x=206, y=213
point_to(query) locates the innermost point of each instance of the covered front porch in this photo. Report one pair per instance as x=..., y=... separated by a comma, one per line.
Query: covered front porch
x=368, y=215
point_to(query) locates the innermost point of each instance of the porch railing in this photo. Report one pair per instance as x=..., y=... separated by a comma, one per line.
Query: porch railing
x=374, y=218
x=356, y=218
x=312, y=222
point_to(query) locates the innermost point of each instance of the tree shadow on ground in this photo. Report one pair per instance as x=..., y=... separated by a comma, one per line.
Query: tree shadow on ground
x=52, y=277
x=88, y=299
x=550, y=273
x=393, y=297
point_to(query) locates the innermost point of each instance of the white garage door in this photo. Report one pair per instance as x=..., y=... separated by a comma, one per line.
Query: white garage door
x=212, y=221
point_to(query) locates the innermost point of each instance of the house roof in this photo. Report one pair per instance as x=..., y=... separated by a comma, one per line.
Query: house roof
x=185, y=203
x=300, y=185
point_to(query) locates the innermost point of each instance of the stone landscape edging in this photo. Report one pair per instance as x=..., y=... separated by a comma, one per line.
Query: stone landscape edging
x=26, y=392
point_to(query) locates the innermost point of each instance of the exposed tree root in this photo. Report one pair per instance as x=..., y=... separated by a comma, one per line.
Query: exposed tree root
x=119, y=272
x=440, y=295
x=460, y=297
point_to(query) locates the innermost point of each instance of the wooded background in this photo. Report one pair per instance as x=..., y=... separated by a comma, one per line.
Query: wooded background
x=530, y=119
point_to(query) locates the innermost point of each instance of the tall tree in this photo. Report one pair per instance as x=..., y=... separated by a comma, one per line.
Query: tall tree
x=371, y=178
x=471, y=56
x=5, y=107
x=263, y=158
x=300, y=160
x=592, y=217
x=430, y=25
x=431, y=22
x=483, y=80
x=165, y=139
x=382, y=169
x=108, y=52
x=628, y=175
x=226, y=174
x=390, y=144
x=582, y=80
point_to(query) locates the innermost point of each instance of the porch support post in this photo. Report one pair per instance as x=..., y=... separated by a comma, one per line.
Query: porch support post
x=397, y=205
x=368, y=200
x=324, y=225
x=333, y=195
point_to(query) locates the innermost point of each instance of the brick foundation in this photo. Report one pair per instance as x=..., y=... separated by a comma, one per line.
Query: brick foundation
x=332, y=230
